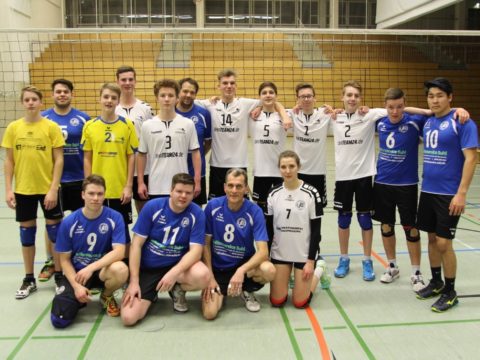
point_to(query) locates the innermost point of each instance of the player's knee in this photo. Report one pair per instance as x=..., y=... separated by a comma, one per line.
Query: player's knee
x=268, y=271
x=344, y=220
x=278, y=303
x=52, y=230
x=388, y=230
x=64, y=310
x=129, y=318
x=209, y=311
x=119, y=271
x=411, y=233
x=302, y=304
x=27, y=235
x=365, y=221
x=201, y=275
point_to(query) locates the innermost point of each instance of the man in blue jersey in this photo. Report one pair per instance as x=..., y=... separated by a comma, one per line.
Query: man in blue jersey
x=449, y=162
x=91, y=243
x=71, y=122
x=165, y=252
x=203, y=124
x=236, y=247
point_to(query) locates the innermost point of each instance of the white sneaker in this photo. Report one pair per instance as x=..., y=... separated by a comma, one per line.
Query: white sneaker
x=321, y=273
x=417, y=281
x=251, y=302
x=26, y=288
x=179, y=301
x=391, y=274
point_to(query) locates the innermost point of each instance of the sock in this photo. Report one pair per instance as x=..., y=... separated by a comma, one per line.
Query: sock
x=344, y=256
x=367, y=258
x=392, y=263
x=30, y=277
x=415, y=269
x=449, y=285
x=58, y=275
x=436, y=274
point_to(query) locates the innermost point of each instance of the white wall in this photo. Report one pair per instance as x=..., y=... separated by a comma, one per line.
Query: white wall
x=21, y=14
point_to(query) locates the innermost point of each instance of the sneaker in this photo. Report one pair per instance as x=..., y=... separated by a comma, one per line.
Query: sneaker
x=446, y=301
x=28, y=286
x=368, y=273
x=417, y=281
x=179, y=301
x=391, y=274
x=251, y=302
x=110, y=305
x=47, y=271
x=343, y=268
x=321, y=272
x=431, y=290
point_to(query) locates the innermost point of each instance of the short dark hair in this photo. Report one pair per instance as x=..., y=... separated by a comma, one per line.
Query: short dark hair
x=441, y=83
x=289, y=154
x=65, y=82
x=226, y=73
x=94, y=179
x=182, y=178
x=190, y=81
x=267, y=84
x=125, y=68
x=393, y=94
x=166, y=83
x=302, y=86
x=236, y=172
x=33, y=89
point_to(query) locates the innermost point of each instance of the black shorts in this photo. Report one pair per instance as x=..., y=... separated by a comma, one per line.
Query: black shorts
x=135, y=187
x=27, y=205
x=433, y=215
x=317, y=181
x=344, y=191
x=216, y=181
x=151, y=197
x=149, y=279
x=71, y=195
x=262, y=186
x=223, y=276
x=201, y=199
x=124, y=209
x=387, y=198
x=296, y=265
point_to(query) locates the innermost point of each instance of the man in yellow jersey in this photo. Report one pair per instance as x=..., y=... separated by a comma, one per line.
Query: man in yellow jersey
x=34, y=156
x=109, y=143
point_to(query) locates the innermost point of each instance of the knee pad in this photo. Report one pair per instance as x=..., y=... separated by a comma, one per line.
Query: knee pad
x=278, y=303
x=304, y=303
x=52, y=232
x=27, y=235
x=64, y=307
x=365, y=221
x=408, y=233
x=387, y=230
x=344, y=220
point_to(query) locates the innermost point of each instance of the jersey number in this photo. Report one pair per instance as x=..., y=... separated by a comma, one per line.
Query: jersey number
x=64, y=132
x=168, y=141
x=226, y=119
x=347, y=130
x=306, y=130
x=390, y=142
x=167, y=231
x=288, y=213
x=431, y=139
x=229, y=235
x=91, y=241
x=266, y=132
x=108, y=136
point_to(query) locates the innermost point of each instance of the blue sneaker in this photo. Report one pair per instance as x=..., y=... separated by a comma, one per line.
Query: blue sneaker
x=368, y=273
x=343, y=268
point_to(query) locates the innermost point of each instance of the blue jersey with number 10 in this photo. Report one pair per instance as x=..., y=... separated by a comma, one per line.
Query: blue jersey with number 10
x=233, y=232
x=168, y=234
x=444, y=140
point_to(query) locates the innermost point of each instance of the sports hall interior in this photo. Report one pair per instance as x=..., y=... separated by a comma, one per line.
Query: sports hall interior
x=351, y=320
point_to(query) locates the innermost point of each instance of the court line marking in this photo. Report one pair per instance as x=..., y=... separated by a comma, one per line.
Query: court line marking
x=58, y=337
x=91, y=335
x=318, y=334
x=9, y=337
x=419, y=323
x=29, y=332
x=291, y=335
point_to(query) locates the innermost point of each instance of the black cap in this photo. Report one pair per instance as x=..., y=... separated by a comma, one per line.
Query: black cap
x=441, y=83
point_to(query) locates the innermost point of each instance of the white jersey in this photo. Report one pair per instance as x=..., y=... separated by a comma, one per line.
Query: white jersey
x=310, y=140
x=167, y=143
x=292, y=211
x=230, y=131
x=354, y=138
x=138, y=114
x=269, y=139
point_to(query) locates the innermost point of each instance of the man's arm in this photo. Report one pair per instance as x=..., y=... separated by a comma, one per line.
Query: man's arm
x=116, y=254
x=52, y=196
x=207, y=145
x=133, y=290
x=286, y=120
x=87, y=163
x=457, y=205
x=197, y=169
x=207, y=260
x=141, y=163
x=127, y=190
x=81, y=292
x=8, y=170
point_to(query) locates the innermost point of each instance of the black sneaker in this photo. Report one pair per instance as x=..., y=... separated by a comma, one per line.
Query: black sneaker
x=431, y=290
x=446, y=301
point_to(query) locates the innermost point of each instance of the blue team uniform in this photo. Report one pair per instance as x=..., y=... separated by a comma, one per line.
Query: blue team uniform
x=72, y=126
x=443, y=141
x=168, y=234
x=397, y=162
x=233, y=233
x=90, y=239
x=203, y=124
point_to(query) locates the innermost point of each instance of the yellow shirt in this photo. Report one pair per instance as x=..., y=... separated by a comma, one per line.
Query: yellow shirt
x=110, y=143
x=32, y=144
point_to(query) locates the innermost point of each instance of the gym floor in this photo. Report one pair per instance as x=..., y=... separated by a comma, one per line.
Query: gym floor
x=352, y=320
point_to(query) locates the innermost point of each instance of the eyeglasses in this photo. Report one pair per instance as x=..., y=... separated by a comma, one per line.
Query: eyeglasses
x=306, y=97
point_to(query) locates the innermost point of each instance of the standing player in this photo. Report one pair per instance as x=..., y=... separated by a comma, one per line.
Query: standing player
x=34, y=157
x=137, y=111
x=269, y=138
x=203, y=125
x=236, y=247
x=166, y=140
x=91, y=244
x=166, y=250
x=294, y=222
x=71, y=121
x=449, y=161
x=109, y=143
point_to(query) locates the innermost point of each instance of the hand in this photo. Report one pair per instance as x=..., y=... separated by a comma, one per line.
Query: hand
x=362, y=110
x=462, y=115
x=126, y=195
x=255, y=113
x=10, y=199
x=142, y=191
x=214, y=99
x=211, y=290
x=51, y=199
x=83, y=275
x=307, y=271
x=287, y=124
x=457, y=205
x=132, y=292
x=82, y=294
x=328, y=109
x=335, y=113
x=236, y=283
x=168, y=282
x=296, y=109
